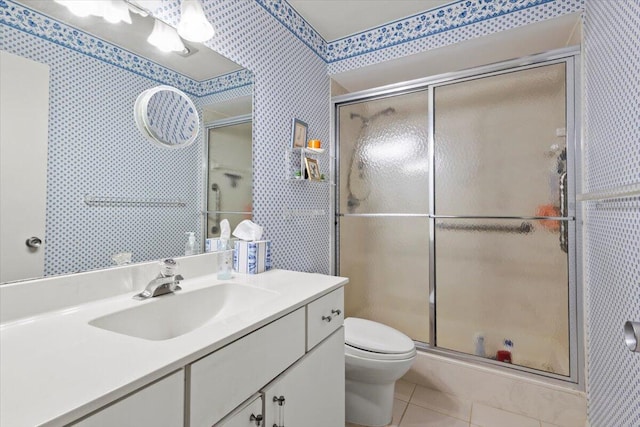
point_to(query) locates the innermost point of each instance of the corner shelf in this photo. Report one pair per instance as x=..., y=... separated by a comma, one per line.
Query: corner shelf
x=294, y=163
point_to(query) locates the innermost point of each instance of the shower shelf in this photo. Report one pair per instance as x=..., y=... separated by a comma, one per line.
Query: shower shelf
x=294, y=164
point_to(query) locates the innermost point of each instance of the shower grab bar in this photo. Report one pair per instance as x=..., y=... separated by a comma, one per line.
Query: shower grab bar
x=215, y=188
x=523, y=228
x=530, y=218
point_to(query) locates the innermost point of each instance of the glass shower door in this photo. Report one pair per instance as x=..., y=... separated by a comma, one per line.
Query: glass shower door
x=229, y=175
x=382, y=208
x=501, y=223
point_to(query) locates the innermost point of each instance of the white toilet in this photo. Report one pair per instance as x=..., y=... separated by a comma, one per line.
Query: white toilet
x=375, y=357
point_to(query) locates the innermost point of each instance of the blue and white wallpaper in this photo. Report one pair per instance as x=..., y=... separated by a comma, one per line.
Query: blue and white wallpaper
x=612, y=225
x=95, y=149
x=89, y=154
x=290, y=65
x=452, y=23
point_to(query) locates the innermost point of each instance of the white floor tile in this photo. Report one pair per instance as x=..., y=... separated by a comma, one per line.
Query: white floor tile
x=486, y=416
x=404, y=390
x=416, y=416
x=442, y=402
x=398, y=410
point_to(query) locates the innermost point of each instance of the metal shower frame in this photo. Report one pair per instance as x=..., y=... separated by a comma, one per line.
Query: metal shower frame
x=571, y=57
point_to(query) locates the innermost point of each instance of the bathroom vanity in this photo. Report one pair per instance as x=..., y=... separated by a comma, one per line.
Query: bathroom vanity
x=270, y=349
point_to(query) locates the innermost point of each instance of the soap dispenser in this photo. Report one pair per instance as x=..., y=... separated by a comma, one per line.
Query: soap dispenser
x=190, y=246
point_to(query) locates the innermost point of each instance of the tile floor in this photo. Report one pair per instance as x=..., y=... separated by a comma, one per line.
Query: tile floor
x=417, y=406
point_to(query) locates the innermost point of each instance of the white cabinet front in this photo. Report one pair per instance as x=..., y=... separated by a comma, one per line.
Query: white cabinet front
x=324, y=315
x=223, y=380
x=311, y=392
x=160, y=404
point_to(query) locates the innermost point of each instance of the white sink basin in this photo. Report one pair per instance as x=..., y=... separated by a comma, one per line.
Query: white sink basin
x=170, y=316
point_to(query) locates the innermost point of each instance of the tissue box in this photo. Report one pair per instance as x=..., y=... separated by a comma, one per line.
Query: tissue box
x=252, y=257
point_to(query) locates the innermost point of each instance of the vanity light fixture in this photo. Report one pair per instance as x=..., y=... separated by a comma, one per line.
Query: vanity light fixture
x=193, y=24
x=112, y=11
x=165, y=37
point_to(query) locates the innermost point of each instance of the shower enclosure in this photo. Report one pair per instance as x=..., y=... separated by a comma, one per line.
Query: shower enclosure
x=454, y=212
x=229, y=173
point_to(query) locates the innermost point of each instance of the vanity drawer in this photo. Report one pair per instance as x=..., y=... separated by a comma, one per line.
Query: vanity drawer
x=224, y=379
x=324, y=316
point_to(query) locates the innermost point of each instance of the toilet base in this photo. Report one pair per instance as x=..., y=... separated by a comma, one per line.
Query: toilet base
x=369, y=404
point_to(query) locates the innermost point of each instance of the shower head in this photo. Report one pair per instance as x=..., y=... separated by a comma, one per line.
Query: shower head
x=366, y=120
x=385, y=112
x=359, y=116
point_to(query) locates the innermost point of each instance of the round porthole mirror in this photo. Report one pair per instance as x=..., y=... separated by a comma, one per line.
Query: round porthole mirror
x=167, y=117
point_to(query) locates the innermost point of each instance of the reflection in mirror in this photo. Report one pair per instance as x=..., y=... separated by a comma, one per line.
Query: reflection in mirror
x=104, y=189
x=229, y=142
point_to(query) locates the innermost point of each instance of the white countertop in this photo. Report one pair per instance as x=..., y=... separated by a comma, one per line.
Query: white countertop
x=56, y=368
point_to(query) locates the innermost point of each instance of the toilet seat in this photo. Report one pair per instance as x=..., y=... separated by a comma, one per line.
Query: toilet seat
x=372, y=340
x=370, y=355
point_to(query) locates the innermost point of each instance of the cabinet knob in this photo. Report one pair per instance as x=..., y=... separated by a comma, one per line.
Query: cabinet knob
x=337, y=312
x=327, y=318
x=257, y=418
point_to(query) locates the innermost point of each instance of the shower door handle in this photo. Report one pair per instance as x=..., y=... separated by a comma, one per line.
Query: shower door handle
x=564, y=229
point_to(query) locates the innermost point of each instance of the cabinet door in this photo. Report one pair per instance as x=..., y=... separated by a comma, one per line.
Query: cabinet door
x=311, y=392
x=159, y=404
x=248, y=414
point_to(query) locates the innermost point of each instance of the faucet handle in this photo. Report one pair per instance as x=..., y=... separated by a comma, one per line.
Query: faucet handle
x=168, y=267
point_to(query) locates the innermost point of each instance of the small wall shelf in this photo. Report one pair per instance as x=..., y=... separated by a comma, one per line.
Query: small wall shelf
x=294, y=163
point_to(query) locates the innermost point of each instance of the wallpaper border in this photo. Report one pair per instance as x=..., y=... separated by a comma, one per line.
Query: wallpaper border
x=454, y=15
x=42, y=26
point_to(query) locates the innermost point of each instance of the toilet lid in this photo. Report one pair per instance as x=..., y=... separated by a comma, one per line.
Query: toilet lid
x=375, y=337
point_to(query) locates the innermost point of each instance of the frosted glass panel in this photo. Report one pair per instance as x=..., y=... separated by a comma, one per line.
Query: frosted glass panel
x=503, y=279
x=387, y=262
x=230, y=177
x=499, y=144
x=383, y=155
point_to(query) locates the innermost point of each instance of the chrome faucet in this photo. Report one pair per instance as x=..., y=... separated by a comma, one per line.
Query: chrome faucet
x=166, y=282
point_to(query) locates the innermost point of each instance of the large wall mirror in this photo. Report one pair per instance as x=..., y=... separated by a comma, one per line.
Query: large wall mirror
x=80, y=183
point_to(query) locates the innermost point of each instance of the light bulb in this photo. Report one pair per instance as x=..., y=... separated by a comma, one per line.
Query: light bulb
x=82, y=8
x=116, y=11
x=193, y=24
x=165, y=37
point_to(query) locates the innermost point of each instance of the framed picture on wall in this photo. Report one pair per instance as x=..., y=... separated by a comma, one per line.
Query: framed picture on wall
x=312, y=168
x=299, y=134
